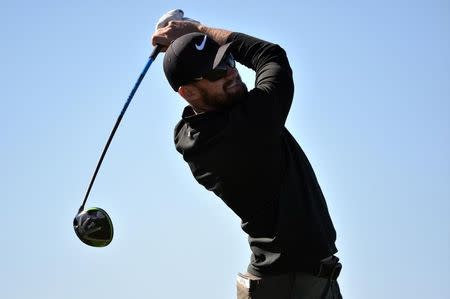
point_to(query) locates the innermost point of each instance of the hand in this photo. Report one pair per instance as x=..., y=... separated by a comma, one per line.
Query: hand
x=172, y=15
x=172, y=25
x=166, y=35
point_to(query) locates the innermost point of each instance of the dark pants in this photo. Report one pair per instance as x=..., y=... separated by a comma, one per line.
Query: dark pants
x=296, y=285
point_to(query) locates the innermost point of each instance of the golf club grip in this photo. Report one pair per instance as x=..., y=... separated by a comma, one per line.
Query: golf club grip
x=153, y=56
x=156, y=51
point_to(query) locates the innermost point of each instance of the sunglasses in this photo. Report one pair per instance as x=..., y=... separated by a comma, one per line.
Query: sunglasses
x=220, y=71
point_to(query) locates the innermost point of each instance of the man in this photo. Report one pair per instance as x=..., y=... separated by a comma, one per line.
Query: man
x=236, y=145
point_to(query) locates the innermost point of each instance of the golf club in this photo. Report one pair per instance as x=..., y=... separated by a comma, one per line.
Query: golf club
x=94, y=226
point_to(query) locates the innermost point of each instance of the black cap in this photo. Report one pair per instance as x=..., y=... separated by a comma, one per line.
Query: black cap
x=192, y=56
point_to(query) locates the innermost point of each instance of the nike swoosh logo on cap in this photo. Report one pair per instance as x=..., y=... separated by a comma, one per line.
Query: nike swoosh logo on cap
x=202, y=45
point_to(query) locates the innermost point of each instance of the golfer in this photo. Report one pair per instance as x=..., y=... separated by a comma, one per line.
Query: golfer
x=237, y=146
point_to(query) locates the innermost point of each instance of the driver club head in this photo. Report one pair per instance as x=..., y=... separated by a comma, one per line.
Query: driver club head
x=94, y=227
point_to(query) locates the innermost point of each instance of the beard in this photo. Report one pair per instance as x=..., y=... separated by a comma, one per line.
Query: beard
x=233, y=91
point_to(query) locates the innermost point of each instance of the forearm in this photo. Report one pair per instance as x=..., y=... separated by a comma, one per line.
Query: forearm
x=220, y=36
x=255, y=53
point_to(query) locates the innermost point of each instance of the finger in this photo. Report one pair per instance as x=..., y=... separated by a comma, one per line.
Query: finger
x=156, y=42
x=173, y=23
x=160, y=40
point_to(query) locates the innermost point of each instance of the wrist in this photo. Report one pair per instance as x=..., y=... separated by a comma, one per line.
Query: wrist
x=202, y=28
x=220, y=36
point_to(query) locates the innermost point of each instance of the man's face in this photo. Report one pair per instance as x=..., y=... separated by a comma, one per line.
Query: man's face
x=220, y=94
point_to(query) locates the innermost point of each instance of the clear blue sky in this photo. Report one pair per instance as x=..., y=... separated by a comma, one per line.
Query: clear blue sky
x=371, y=110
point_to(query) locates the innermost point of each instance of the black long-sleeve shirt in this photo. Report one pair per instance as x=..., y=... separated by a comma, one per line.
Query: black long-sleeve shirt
x=247, y=157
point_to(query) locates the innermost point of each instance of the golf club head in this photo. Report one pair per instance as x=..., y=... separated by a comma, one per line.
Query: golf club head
x=94, y=227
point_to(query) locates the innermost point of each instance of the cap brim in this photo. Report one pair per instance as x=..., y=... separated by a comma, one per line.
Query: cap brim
x=223, y=50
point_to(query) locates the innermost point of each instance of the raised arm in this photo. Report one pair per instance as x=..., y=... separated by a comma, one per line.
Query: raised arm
x=166, y=35
x=271, y=98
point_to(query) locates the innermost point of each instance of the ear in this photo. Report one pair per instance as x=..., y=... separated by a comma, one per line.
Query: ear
x=190, y=93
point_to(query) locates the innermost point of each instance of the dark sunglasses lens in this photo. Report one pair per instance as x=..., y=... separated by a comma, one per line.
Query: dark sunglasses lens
x=94, y=227
x=221, y=70
x=216, y=74
x=229, y=60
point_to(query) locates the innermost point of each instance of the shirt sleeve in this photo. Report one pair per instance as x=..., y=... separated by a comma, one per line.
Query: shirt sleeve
x=271, y=99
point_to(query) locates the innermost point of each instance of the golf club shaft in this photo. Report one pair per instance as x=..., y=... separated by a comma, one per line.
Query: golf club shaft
x=152, y=57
